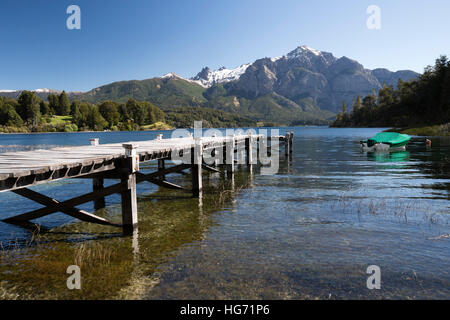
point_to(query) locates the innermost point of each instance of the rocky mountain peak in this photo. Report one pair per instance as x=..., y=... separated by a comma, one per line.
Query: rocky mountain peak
x=202, y=75
x=303, y=50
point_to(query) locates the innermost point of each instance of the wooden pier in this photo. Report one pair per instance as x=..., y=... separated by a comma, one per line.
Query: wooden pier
x=21, y=170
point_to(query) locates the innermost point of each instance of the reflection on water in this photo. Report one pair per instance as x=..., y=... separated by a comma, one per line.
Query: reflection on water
x=308, y=232
x=398, y=156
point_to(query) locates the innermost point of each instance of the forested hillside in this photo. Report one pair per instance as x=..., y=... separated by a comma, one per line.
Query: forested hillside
x=416, y=103
x=29, y=113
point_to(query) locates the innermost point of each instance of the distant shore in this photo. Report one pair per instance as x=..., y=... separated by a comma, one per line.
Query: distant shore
x=442, y=130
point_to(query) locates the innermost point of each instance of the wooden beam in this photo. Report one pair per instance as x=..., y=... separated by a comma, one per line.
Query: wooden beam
x=209, y=168
x=60, y=206
x=177, y=168
x=162, y=183
x=56, y=205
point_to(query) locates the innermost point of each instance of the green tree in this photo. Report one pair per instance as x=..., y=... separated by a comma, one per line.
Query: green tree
x=137, y=111
x=110, y=112
x=9, y=116
x=64, y=104
x=44, y=108
x=95, y=121
x=123, y=111
x=53, y=103
x=29, y=107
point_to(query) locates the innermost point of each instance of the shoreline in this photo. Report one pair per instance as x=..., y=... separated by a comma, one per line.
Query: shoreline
x=440, y=130
x=158, y=129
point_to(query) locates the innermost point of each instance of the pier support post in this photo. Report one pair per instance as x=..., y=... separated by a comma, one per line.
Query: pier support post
x=129, y=197
x=228, y=151
x=161, y=167
x=98, y=184
x=287, y=144
x=196, y=165
x=291, y=142
x=249, y=151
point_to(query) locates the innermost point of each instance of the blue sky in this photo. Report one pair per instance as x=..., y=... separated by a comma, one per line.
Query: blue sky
x=137, y=39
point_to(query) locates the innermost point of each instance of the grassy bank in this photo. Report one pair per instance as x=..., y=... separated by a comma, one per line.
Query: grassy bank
x=437, y=130
x=66, y=124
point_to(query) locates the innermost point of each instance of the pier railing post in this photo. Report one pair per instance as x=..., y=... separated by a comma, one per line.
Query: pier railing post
x=196, y=165
x=129, y=197
x=94, y=141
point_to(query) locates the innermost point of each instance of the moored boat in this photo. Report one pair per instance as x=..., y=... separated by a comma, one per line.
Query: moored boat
x=386, y=142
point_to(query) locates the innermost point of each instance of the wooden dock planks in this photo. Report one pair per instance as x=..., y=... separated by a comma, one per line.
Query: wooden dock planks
x=19, y=170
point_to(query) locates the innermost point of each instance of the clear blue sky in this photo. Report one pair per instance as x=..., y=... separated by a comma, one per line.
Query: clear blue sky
x=137, y=39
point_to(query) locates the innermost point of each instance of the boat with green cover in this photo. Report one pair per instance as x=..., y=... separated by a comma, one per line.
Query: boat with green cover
x=386, y=141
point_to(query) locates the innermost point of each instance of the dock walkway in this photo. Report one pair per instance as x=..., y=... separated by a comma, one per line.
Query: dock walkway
x=21, y=170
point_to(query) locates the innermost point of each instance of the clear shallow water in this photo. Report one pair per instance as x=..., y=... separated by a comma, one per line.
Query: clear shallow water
x=308, y=232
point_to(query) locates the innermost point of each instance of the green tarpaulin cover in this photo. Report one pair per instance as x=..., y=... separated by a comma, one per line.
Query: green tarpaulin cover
x=391, y=138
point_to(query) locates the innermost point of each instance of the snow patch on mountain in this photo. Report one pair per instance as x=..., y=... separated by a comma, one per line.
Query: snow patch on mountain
x=303, y=50
x=206, y=78
x=45, y=90
x=276, y=58
x=42, y=90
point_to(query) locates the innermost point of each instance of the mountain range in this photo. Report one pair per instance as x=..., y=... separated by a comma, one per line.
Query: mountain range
x=303, y=86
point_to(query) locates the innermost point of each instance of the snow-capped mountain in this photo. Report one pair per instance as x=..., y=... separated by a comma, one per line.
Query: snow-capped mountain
x=43, y=93
x=206, y=78
x=43, y=90
x=302, y=74
x=304, y=80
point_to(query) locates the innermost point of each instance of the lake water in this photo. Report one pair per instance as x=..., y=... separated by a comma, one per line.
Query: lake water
x=308, y=232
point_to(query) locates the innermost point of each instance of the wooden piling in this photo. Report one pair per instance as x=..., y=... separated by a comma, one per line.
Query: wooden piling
x=249, y=150
x=97, y=182
x=161, y=167
x=229, y=156
x=97, y=185
x=287, y=138
x=129, y=197
x=291, y=142
x=196, y=165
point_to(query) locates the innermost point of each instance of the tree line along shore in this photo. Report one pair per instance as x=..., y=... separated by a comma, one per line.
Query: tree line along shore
x=417, y=107
x=29, y=113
